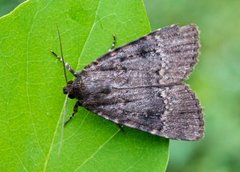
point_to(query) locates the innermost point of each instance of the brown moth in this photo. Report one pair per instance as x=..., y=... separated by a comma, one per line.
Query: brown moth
x=141, y=84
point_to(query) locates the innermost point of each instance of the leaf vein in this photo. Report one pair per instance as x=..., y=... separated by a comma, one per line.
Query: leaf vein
x=98, y=150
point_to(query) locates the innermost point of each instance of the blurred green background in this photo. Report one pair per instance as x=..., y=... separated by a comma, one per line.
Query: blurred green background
x=8, y=5
x=216, y=80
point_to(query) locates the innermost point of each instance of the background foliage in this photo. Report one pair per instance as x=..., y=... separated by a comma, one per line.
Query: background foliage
x=216, y=80
x=8, y=5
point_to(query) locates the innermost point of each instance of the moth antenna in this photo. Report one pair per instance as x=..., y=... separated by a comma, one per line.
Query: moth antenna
x=61, y=50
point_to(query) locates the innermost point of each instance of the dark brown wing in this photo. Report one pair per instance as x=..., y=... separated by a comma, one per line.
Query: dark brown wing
x=172, y=111
x=140, y=84
x=164, y=57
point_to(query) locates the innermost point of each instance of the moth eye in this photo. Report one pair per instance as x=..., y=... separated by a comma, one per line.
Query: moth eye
x=71, y=96
x=65, y=90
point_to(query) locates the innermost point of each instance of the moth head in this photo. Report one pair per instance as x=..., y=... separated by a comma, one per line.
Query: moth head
x=69, y=90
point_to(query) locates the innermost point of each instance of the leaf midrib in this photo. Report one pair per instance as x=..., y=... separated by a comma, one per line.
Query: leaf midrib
x=60, y=116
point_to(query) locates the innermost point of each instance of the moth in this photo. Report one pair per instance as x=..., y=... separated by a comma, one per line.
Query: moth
x=141, y=84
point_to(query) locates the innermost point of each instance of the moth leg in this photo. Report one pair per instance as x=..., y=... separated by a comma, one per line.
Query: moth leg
x=67, y=66
x=121, y=128
x=75, y=110
x=113, y=43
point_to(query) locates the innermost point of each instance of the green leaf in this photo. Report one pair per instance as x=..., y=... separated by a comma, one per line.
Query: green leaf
x=32, y=137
